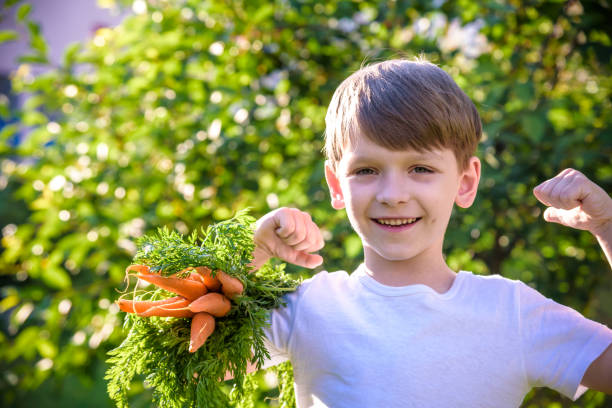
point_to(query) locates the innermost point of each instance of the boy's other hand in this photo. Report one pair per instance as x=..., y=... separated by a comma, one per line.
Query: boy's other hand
x=288, y=234
x=575, y=201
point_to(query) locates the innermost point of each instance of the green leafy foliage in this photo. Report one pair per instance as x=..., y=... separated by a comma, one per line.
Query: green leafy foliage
x=186, y=113
x=157, y=348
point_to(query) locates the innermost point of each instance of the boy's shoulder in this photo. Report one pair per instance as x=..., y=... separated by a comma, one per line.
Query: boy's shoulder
x=496, y=292
x=490, y=281
x=328, y=285
x=494, y=285
x=497, y=282
x=325, y=278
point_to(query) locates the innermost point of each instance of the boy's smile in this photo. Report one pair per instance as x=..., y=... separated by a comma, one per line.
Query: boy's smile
x=400, y=202
x=396, y=223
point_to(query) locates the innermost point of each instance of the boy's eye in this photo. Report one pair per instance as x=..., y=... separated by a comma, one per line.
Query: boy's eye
x=364, y=171
x=420, y=169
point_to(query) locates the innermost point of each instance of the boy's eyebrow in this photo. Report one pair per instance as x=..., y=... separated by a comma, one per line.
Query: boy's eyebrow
x=425, y=155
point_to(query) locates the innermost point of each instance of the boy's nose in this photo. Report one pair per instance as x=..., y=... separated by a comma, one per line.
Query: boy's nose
x=392, y=191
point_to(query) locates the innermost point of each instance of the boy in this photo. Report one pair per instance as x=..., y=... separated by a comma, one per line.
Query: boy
x=404, y=329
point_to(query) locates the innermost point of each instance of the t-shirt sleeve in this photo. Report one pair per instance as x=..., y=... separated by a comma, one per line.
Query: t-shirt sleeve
x=558, y=343
x=278, y=332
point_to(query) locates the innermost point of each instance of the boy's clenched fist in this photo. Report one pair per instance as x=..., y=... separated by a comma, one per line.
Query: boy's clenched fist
x=575, y=201
x=288, y=234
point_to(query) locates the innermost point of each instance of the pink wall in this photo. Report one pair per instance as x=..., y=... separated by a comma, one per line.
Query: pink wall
x=62, y=23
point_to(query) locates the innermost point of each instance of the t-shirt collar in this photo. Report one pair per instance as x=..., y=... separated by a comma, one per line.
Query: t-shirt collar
x=384, y=290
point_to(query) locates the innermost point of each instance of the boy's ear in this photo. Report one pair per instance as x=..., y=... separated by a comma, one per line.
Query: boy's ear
x=337, y=198
x=468, y=184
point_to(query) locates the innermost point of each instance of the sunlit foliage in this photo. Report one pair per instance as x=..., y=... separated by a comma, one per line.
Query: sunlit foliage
x=191, y=110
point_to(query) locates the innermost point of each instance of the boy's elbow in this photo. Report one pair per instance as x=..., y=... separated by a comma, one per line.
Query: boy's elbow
x=598, y=376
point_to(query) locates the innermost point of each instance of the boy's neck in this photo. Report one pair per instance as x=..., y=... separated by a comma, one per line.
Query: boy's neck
x=428, y=270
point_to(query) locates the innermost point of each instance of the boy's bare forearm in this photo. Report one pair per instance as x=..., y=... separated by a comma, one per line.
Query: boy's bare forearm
x=260, y=257
x=605, y=241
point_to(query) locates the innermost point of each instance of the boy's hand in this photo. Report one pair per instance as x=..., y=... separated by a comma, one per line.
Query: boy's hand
x=577, y=202
x=288, y=234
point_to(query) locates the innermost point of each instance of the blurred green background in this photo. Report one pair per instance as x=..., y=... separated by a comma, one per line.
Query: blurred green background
x=191, y=110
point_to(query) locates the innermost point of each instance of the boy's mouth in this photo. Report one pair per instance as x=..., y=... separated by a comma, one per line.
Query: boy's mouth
x=395, y=222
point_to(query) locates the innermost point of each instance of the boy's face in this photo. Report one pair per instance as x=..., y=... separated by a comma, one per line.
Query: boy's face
x=400, y=202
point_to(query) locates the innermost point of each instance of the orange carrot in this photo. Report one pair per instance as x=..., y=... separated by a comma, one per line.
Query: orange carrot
x=198, y=278
x=230, y=286
x=139, y=306
x=188, y=288
x=193, y=276
x=211, y=283
x=214, y=303
x=177, y=309
x=202, y=326
x=138, y=268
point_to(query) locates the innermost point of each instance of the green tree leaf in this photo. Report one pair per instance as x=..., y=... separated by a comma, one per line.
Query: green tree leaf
x=55, y=277
x=8, y=35
x=23, y=12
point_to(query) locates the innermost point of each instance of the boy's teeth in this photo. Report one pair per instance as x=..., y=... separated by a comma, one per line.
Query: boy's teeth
x=396, y=221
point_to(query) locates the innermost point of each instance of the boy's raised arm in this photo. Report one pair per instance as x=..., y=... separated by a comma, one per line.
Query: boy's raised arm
x=575, y=201
x=288, y=234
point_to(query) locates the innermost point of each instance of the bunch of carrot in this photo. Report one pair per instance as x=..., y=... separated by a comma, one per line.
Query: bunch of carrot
x=201, y=293
x=205, y=316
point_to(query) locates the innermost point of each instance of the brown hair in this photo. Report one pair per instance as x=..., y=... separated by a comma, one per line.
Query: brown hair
x=400, y=104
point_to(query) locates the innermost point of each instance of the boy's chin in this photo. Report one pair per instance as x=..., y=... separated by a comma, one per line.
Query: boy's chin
x=389, y=255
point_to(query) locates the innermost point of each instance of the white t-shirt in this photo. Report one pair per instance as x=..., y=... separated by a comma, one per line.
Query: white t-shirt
x=354, y=342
